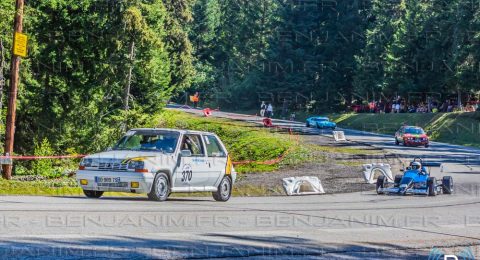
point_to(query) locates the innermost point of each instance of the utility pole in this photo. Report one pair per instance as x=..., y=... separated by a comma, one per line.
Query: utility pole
x=12, y=97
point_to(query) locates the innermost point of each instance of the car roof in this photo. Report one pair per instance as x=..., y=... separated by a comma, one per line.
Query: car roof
x=412, y=127
x=181, y=131
x=320, y=117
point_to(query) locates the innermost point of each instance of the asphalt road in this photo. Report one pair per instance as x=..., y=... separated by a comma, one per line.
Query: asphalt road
x=344, y=226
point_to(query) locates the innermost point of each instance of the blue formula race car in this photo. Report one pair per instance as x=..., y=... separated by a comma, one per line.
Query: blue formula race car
x=320, y=122
x=416, y=179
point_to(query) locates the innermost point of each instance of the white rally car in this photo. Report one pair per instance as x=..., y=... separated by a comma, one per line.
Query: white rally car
x=158, y=162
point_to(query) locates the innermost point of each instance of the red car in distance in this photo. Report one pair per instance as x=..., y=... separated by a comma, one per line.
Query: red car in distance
x=411, y=136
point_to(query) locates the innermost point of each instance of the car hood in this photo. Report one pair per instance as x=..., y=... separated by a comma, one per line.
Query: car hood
x=123, y=154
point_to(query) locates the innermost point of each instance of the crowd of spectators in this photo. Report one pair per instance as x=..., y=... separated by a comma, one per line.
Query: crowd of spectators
x=400, y=105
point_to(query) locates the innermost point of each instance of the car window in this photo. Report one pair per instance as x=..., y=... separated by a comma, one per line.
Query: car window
x=158, y=141
x=214, y=149
x=193, y=143
x=414, y=131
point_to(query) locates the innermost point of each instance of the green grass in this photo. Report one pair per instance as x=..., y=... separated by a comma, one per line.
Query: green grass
x=68, y=187
x=454, y=128
x=244, y=141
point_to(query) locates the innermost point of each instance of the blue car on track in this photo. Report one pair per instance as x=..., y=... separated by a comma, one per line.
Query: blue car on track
x=416, y=179
x=320, y=122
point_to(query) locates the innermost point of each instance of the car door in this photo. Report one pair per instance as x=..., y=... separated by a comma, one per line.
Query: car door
x=193, y=170
x=216, y=157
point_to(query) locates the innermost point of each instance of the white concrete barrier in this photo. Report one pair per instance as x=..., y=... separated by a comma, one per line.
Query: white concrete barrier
x=369, y=171
x=305, y=185
x=339, y=136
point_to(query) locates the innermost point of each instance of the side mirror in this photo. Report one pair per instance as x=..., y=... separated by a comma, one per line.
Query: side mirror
x=186, y=153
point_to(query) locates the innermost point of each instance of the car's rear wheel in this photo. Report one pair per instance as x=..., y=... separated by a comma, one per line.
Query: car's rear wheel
x=427, y=145
x=93, y=194
x=224, y=190
x=447, y=184
x=308, y=124
x=380, y=184
x=398, y=179
x=161, y=188
x=431, y=183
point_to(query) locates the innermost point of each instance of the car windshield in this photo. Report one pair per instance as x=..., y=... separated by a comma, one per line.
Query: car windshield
x=416, y=131
x=158, y=141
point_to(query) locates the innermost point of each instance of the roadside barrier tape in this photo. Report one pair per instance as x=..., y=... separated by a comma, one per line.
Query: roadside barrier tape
x=21, y=157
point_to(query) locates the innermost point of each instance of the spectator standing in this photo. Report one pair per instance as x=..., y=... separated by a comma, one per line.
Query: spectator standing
x=397, y=107
x=269, y=110
x=196, y=98
x=263, y=107
x=293, y=116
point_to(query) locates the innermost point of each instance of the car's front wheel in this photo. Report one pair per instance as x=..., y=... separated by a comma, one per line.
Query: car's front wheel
x=447, y=185
x=396, y=141
x=93, y=194
x=161, y=188
x=224, y=190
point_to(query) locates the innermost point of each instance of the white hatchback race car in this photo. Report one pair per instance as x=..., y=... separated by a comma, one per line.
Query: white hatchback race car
x=159, y=162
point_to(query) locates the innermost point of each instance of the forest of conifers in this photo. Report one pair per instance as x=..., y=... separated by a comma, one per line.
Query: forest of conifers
x=97, y=67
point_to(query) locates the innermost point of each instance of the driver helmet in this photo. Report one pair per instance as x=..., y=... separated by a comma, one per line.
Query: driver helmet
x=416, y=166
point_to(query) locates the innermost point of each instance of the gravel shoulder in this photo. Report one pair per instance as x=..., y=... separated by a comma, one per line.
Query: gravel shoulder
x=337, y=165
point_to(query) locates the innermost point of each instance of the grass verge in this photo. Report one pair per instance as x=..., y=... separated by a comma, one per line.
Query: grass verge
x=244, y=141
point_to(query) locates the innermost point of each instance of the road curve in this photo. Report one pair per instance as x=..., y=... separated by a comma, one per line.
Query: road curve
x=342, y=226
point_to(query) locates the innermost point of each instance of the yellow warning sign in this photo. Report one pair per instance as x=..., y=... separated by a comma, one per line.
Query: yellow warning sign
x=20, y=46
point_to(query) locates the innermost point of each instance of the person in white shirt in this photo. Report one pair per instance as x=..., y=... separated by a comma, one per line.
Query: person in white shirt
x=269, y=110
x=263, y=107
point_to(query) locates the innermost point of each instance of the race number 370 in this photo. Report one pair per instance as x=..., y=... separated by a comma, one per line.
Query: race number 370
x=187, y=173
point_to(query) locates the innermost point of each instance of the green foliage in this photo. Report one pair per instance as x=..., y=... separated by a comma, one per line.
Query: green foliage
x=44, y=167
x=244, y=141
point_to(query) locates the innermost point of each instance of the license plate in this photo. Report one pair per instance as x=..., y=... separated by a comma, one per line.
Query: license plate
x=107, y=179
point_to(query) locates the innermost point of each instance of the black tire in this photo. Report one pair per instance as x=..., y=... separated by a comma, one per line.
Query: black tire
x=396, y=141
x=160, y=188
x=93, y=194
x=427, y=145
x=398, y=179
x=307, y=125
x=431, y=183
x=404, y=143
x=447, y=185
x=224, y=190
x=380, y=184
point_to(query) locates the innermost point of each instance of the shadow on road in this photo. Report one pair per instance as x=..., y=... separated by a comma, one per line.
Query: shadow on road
x=206, y=246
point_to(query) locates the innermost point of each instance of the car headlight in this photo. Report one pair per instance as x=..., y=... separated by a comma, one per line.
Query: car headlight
x=133, y=165
x=86, y=162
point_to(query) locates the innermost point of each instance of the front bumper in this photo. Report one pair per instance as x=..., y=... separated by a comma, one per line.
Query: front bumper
x=415, y=143
x=409, y=191
x=144, y=181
